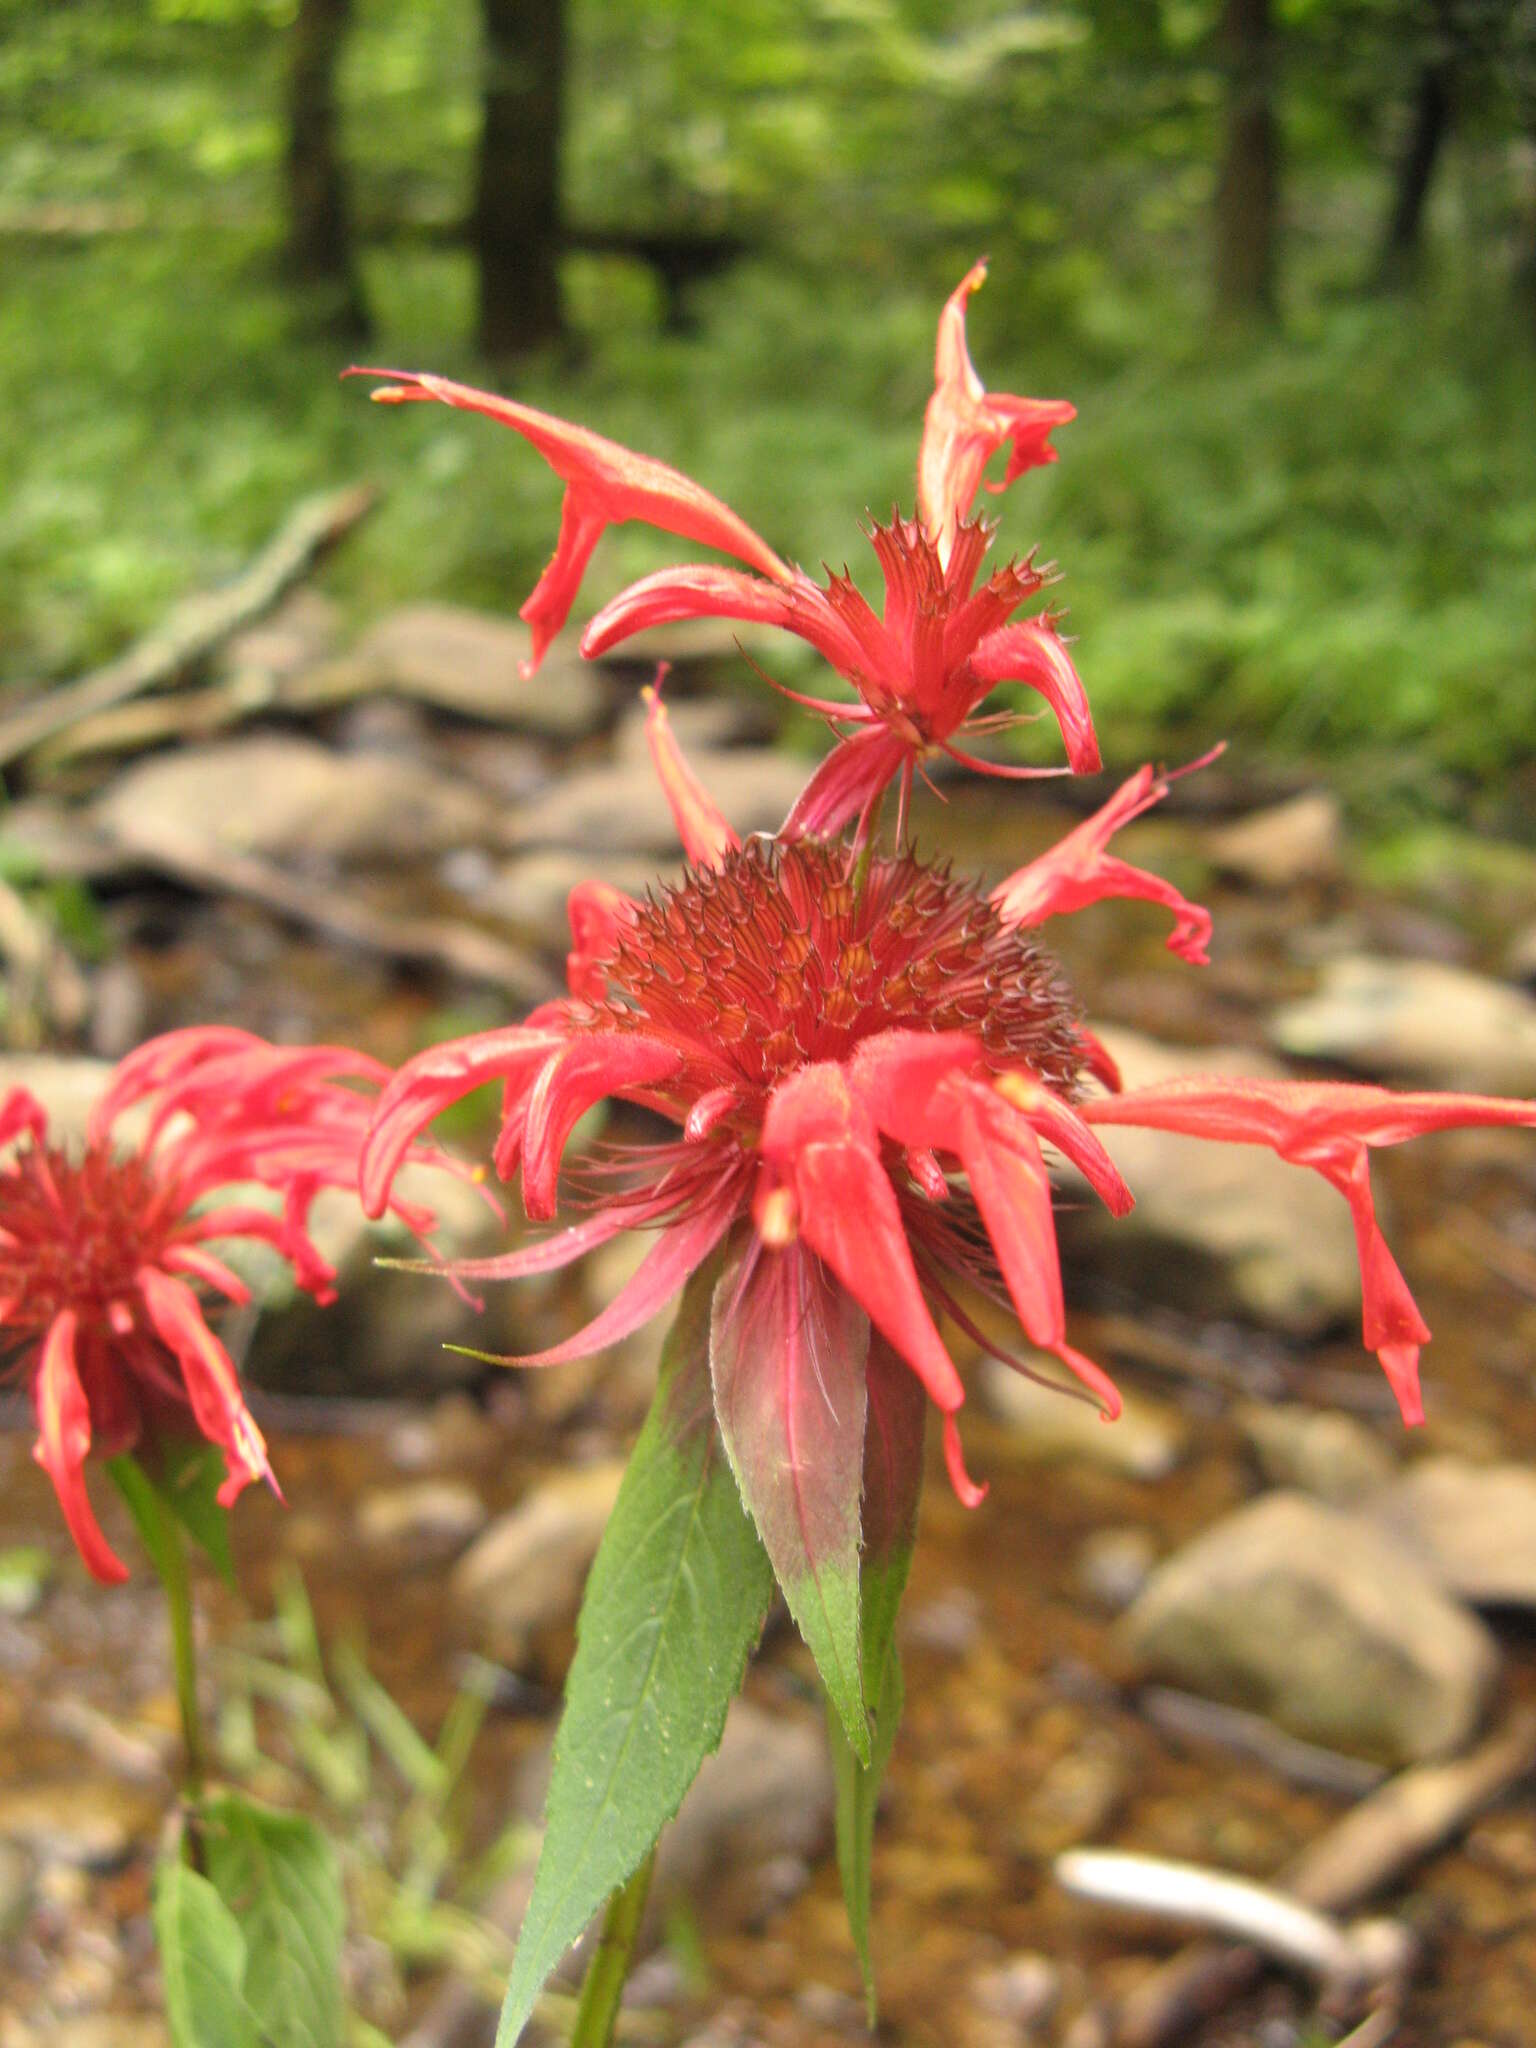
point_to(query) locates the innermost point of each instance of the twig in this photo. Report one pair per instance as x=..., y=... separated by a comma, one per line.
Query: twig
x=196, y=627
x=1186, y=1718
x=1350, y=1960
x=1376, y=1843
x=463, y=950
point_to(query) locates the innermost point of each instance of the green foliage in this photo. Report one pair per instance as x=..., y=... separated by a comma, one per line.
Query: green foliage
x=673, y=1605
x=277, y=1874
x=202, y=1962
x=182, y=1491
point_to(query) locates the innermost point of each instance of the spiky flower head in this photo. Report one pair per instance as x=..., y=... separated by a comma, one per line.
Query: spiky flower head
x=106, y=1248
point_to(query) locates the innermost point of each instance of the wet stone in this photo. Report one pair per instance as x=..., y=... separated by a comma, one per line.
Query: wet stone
x=1416, y=1020
x=1297, y=841
x=1271, y=1238
x=526, y=1572
x=1333, y=1457
x=423, y=1524
x=1114, y=1564
x=1473, y=1527
x=1146, y=1441
x=466, y=662
x=87, y=1823
x=1314, y=1618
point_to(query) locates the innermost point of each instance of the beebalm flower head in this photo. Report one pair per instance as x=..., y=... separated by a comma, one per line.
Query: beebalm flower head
x=868, y=1063
x=921, y=667
x=106, y=1258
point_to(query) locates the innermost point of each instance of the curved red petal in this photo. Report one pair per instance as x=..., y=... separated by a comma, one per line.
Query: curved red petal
x=599, y=915
x=849, y=779
x=581, y=1073
x=64, y=1442
x=701, y=826
x=1031, y=653
x=213, y=1390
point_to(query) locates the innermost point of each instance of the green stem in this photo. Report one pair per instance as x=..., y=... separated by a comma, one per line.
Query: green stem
x=600, y=1994
x=866, y=852
x=177, y=1582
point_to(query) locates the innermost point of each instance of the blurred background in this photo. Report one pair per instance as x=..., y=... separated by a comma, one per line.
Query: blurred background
x=1281, y=253
x=267, y=759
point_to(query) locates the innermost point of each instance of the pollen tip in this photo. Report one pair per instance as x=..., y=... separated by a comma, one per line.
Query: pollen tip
x=776, y=1218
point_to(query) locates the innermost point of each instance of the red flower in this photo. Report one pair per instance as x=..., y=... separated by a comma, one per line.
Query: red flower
x=104, y=1252
x=922, y=667
x=866, y=1073
x=831, y=1056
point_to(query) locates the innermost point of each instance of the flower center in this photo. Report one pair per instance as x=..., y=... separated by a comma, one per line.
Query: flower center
x=773, y=960
x=73, y=1233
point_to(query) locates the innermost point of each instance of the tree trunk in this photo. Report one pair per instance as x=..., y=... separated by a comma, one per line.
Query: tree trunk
x=517, y=200
x=1248, y=186
x=319, y=249
x=1433, y=112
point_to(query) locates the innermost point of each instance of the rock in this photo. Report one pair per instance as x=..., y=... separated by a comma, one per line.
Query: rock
x=466, y=662
x=1272, y=1237
x=282, y=797
x=25, y=1569
x=1333, y=1457
x=1416, y=1020
x=531, y=891
x=422, y=1525
x=1075, y=1798
x=1114, y=1564
x=699, y=724
x=526, y=1572
x=1146, y=1441
x=1297, y=841
x=302, y=631
x=620, y=808
x=949, y=1624
x=1472, y=1526
x=1023, y=1991
x=1314, y=1618
x=1520, y=956
x=87, y=1823
x=15, y=1888
x=764, y=1795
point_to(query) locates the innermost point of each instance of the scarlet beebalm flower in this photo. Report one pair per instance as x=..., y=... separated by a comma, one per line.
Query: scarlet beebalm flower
x=921, y=668
x=105, y=1258
x=866, y=1075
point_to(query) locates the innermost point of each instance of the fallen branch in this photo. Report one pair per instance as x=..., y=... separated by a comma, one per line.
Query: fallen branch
x=195, y=628
x=1374, y=1845
x=462, y=950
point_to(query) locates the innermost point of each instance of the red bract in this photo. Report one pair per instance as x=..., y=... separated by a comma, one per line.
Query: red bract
x=921, y=667
x=104, y=1250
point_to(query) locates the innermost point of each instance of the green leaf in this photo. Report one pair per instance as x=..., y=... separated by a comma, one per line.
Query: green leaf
x=190, y=1482
x=893, y=1478
x=674, y=1603
x=787, y=1347
x=184, y=1487
x=277, y=1874
x=202, y=1962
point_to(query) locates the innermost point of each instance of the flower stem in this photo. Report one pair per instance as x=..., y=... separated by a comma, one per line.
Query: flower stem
x=869, y=826
x=177, y=1582
x=598, y=2010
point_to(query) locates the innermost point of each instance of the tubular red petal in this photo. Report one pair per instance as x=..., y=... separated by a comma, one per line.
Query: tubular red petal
x=1078, y=871
x=64, y=1442
x=849, y=779
x=678, y=1251
x=967, y=1492
x=599, y=916
x=1031, y=653
x=700, y=592
x=1061, y=1124
x=701, y=826
x=213, y=1390
x=1327, y=1126
x=894, y=1074
x=22, y=1115
x=582, y=1072
x=1099, y=1060
x=428, y=1083
x=605, y=484
x=548, y=1254
x=201, y=1265
x=964, y=426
